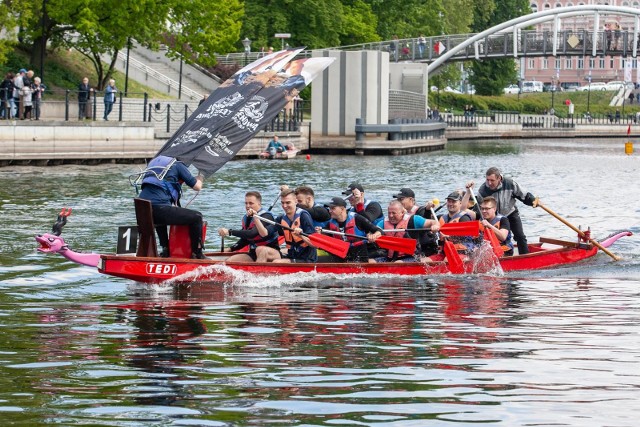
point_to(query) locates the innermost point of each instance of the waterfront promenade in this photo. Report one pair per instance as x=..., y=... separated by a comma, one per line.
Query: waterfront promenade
x=56, y=141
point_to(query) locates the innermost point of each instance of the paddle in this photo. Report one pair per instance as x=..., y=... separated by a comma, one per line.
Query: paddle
x=398, y=244
x=577, y=230
x=456, y=266
x=274, y=202
x=488, y=233
x=469, y=228
x=334, y=246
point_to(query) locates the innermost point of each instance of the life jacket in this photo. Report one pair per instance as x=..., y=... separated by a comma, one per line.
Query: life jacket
x=378, y=222
x=403, y=224
x=349, y=228
x=289, y=238
x=258, y=240
x=414, y=209
x=155, y=174
x=462, y=244
x=507, y=245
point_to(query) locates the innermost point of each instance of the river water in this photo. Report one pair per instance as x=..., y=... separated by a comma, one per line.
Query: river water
x=558, y=347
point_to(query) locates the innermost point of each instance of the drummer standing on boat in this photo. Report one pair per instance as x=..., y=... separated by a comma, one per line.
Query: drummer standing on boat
x=162, y=186
x=506, y=191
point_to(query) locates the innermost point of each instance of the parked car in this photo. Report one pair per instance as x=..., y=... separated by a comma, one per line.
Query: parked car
x=531, y=86
x=593, y=87
x=570, y=86
x=512, y=89
x=452, y=90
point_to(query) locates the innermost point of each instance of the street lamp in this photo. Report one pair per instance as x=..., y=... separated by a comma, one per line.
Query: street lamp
x=247, y=48
x=589, y=93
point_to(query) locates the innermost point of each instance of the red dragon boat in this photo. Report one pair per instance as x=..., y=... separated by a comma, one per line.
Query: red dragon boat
x=547, y=253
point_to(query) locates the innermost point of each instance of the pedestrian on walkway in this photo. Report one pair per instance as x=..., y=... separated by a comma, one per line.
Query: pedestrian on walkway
x=109, y=98
x=84, y=97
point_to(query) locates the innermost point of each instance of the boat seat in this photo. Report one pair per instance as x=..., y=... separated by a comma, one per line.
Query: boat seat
x=146, y=230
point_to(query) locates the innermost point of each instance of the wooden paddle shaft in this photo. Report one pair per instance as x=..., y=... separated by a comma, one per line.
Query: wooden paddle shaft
x=577, y=230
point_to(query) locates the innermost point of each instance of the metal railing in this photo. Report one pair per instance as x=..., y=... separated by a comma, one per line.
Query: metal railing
x=166, y=115
x=171, y=84
x=529, y=121
x=527, y=43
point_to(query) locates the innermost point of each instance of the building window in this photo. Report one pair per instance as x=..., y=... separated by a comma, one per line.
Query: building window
x=547, y=6
x=531, y=64
x=545, y=64
x=568, y=63
x=534, y=7
x=601, y=63
x=580, y=65
x=611, y=64
x=592, y=63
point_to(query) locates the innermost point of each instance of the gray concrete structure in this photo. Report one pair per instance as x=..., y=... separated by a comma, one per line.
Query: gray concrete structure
x=355, y=86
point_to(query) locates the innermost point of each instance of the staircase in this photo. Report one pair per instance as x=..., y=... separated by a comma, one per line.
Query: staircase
x=156, y=70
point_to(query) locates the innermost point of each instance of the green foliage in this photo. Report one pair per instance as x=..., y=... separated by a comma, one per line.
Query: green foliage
x=489, y=77
x=358, y=24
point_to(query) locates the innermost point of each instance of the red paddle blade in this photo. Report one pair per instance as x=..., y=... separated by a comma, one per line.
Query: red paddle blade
x=336, y=247
x=495, y=243
x=398, y=244
x=469, y=228
x=456, y=266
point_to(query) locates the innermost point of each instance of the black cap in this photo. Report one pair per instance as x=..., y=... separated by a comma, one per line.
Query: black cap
x=454, y=196
x=404, y=192
x=336, y=201
x=352, y=187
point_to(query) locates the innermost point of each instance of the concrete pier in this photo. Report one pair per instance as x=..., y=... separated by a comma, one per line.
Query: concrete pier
x=45, y=142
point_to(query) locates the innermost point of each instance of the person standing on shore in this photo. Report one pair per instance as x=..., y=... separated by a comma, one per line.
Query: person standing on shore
x=109, y=98
x=84, y=97
x=38, y=89
x=6, y=96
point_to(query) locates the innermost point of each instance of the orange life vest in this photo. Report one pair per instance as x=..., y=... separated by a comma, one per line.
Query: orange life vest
x=404, y=222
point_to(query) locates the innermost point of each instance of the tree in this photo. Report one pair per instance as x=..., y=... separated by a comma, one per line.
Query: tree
x=358, y=23
x=491, y=76
x=100, y=29
x=311, y=23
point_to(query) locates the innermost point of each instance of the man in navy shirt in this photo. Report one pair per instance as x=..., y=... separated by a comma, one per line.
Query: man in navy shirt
x=162, y=186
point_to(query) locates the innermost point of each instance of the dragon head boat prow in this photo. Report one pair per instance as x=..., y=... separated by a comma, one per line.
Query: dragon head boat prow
x=53, y=243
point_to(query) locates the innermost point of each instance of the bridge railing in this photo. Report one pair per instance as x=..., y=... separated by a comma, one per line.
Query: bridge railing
x=528, y=43
x=532, y=121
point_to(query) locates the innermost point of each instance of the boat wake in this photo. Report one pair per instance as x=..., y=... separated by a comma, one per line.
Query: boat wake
x=232, y=277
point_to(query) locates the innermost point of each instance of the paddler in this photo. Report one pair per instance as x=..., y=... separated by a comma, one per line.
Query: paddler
x=365, y=207
x=455, y=213
x=399, y=218
x=407, y=197
x=306, y=200
x=162, y=186
x=350, y=222
x=248, y=234
x=299, y=247
x=506, y=192
x=497, y=223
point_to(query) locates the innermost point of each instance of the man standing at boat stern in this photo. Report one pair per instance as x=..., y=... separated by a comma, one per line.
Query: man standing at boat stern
x=506, y=191
x=162, y=186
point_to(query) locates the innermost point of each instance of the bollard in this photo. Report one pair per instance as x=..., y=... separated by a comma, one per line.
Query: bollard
x=144, y=109
x=66, y=105
x=628, y=148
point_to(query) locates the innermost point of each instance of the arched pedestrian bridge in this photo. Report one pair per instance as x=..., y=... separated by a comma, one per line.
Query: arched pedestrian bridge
x=511, y=40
